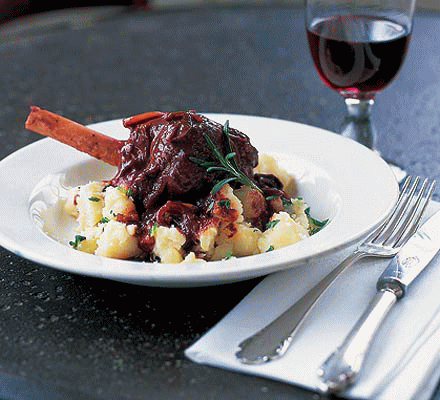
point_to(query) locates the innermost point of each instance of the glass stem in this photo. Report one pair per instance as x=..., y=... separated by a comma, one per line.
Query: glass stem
x=357, y=125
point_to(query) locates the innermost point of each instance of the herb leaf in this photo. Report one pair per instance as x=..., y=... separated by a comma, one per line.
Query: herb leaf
x=226, y=164
x=315, y=224
x=228, y=255
x=226, y=203
x=219, y=185
x=272, y=224
x=153, y=229
x=229, y=153
x=128, y=192
x=77, y=241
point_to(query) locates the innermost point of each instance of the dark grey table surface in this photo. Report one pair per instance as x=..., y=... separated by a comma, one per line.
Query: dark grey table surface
x=66, y=336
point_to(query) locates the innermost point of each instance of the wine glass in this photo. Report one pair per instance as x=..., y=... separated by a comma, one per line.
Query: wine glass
x=358, y=47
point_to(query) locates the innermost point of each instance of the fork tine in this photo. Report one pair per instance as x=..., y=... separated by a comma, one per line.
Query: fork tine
x=412, y=221
x=400, y=208
x=406, y=204
x=394, y=211
x=409, y=198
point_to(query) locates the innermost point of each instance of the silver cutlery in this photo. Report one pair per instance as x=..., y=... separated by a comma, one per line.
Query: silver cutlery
x=343, y=366
x=272, y=341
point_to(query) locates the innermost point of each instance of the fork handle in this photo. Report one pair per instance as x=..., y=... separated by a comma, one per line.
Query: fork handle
x=273, y=340
x=343, y=366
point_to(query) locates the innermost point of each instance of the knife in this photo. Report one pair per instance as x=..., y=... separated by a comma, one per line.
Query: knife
x=343, y=366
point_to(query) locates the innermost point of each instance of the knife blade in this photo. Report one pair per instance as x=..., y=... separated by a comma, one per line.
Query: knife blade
x=343, y=366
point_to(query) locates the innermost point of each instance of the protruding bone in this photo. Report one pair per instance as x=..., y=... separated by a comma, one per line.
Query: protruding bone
x=75, y=135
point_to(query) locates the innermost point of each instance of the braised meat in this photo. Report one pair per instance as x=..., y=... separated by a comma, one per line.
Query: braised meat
x=155, y=160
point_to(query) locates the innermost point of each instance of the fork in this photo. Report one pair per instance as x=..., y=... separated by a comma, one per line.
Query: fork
x=273, y=340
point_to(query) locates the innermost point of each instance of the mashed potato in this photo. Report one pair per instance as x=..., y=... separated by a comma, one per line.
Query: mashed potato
x=104, y=213
x=96, y=208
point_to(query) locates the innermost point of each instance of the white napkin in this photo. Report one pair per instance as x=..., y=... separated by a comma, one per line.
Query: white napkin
x=403, y=362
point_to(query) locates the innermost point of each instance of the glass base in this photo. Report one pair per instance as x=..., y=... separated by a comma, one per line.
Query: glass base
x=358, y=126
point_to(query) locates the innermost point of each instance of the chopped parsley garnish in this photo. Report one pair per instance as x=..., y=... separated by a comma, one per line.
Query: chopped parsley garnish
x=270, y=248
x=226, y=203
x=104, y=220
x=77, y=241
x=94, y=198
x=227, y=163
x=228, y=255
x=315, y=224
x=153, y=229
x=128, y=192
x=286, y=202
x=272, y=223
x=211, y=206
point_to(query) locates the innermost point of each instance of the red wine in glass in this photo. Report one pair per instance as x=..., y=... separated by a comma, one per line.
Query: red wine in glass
x=357, y=55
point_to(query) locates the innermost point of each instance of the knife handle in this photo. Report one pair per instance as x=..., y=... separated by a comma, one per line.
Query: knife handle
x=341, y=369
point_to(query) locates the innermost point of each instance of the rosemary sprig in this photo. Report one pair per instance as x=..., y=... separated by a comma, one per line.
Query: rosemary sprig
x=227, y=163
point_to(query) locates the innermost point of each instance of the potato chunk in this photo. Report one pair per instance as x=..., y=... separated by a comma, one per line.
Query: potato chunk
x=283, y=231
x=268, y=164
x=70, y=203
x=253, y=202
x=245, y=240
x=117, y=202
x=90, y=204
x=116, y=242
x=168, y=244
